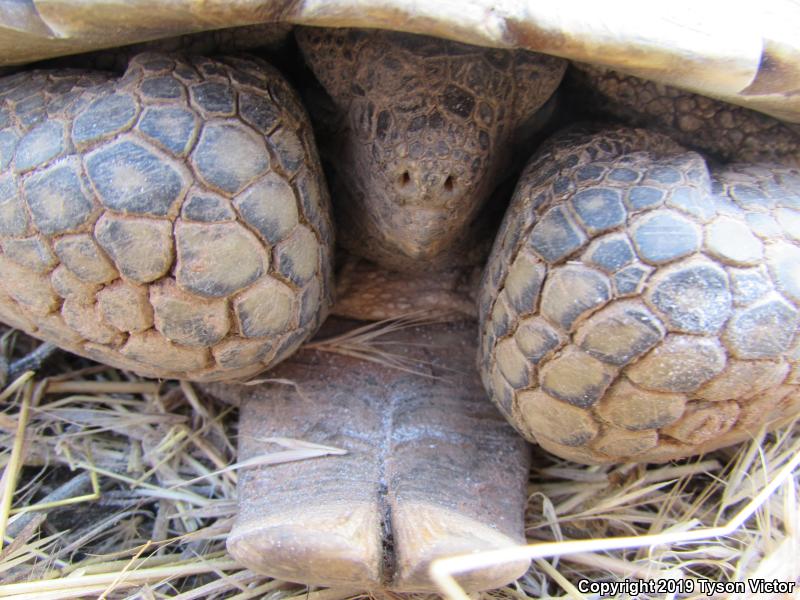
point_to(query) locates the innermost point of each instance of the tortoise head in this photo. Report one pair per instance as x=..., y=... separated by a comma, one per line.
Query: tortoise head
x=427, y=129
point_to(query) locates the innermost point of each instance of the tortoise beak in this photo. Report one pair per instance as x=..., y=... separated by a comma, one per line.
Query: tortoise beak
x=423, y=233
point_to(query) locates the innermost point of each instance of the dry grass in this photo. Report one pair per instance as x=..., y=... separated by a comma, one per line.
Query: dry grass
x=118, y=487
x=366, y=342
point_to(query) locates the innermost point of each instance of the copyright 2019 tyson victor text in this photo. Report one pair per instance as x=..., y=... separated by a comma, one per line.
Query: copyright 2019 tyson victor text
x=636, y=587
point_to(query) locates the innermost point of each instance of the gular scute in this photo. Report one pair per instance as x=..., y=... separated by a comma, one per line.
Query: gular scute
x=431, y=124
x=174, y=222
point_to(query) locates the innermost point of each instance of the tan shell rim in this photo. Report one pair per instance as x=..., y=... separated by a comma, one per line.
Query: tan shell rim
x=738, y=52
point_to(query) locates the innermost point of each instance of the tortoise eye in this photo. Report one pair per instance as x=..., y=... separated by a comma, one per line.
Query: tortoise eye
x=404, y=179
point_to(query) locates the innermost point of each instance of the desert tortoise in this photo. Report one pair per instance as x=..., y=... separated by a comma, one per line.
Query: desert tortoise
x=137, y=231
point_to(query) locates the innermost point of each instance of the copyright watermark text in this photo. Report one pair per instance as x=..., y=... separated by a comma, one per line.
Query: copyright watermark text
x=636, y=587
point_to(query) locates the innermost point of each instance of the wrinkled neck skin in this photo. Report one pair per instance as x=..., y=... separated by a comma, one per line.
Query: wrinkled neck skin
x=428, y=130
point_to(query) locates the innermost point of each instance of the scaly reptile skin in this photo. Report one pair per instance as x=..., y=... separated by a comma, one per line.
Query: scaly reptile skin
x=639, y=307
x=725, y=131
x=174, y=222
x=429, y=126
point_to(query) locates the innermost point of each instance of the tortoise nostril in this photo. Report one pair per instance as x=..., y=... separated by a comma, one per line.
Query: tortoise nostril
x=449, y=183
x=404, y=179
